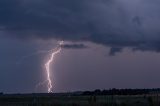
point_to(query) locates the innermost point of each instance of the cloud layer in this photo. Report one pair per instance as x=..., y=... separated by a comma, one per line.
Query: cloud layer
x=113, y=23
x=74, y=46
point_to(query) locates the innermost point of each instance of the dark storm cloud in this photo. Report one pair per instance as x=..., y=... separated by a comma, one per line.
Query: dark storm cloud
x=113, y=51
x=74, y=46
x=114, y=23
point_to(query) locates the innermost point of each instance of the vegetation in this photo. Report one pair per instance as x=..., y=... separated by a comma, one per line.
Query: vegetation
x=112, y=97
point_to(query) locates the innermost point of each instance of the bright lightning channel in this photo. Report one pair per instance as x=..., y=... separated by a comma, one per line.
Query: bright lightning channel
x=48, y=63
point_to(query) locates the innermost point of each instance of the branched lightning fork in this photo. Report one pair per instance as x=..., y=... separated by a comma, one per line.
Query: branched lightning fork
x=47, y=65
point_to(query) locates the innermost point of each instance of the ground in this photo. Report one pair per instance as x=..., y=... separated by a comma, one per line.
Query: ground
x=68, y=100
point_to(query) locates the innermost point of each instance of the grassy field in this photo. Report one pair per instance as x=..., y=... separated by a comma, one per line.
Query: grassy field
x=139, y=100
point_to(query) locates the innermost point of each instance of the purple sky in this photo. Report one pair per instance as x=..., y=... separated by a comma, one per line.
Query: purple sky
x=110, y=44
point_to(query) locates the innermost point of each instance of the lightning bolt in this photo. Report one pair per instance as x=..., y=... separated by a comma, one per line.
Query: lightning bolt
x=48, y=63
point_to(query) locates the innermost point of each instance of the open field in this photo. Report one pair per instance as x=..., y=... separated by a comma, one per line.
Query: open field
x=66, y=100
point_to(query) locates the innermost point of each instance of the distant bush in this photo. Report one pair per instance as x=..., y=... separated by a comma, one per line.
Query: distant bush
x=121, y=92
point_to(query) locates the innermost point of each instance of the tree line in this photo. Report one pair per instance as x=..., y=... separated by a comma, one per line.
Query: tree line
x=115, y=91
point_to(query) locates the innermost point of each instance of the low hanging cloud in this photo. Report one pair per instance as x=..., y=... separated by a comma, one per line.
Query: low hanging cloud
x=74, y=46
x=114, y=23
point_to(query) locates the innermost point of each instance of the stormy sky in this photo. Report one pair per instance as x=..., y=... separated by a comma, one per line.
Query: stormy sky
x=108, y=44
